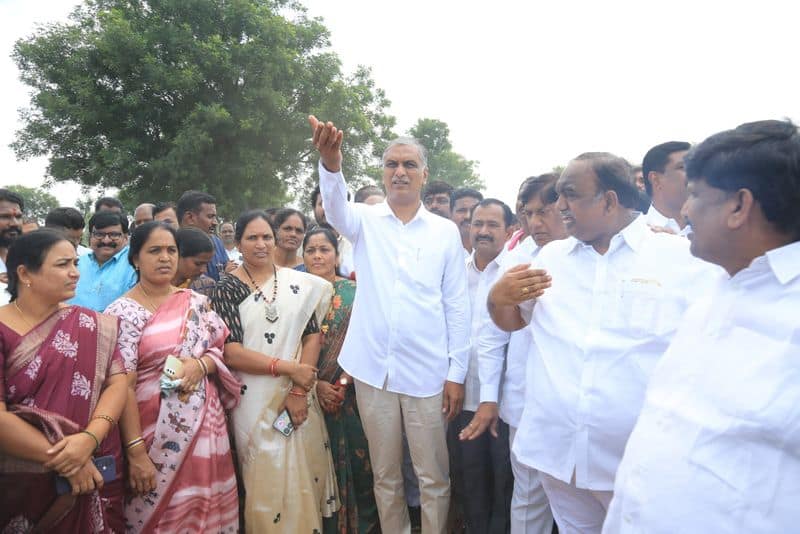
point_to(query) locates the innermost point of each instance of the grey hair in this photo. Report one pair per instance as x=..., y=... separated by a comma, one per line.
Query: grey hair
x=409, y=141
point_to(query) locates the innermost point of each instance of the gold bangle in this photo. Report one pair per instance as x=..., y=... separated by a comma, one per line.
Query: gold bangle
x=203, y=365
x=134, y=441
x=104, y=418
x=135, y=444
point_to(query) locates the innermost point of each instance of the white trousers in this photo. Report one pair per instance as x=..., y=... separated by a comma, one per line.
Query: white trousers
x=576, y=510
x=384, y=415
x=530, y=509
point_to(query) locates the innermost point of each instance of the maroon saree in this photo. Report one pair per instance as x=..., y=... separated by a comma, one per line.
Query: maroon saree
x=52, y=378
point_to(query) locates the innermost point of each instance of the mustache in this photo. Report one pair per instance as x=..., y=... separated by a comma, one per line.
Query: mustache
x=488, y=238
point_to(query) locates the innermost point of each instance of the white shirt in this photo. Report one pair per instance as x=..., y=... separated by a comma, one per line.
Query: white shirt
x=345, y=257
x=479, y=282
x=81, y=250
x=503, y=356
x=653, y=217
x=2, y=266
x=597, y=332
x=409, y=329
x=235, y=256
x=717, y=446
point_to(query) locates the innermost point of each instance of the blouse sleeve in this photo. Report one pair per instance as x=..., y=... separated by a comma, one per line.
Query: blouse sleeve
x=225, y=299
x=131, y=325
x=312, y=326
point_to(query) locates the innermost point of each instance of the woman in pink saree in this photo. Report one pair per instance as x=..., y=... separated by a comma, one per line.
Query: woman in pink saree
x=62, y=389
x=181, y=471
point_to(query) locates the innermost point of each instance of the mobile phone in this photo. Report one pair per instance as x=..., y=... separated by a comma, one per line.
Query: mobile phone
x=104, y=464
x=283, y=423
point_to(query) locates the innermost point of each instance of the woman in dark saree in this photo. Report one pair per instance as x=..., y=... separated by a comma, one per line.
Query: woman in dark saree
x=359, y=513
x=63, y=387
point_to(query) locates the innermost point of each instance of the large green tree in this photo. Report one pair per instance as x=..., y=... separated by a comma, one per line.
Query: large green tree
x=157, y=97
x=38, y=203
x=443, y=163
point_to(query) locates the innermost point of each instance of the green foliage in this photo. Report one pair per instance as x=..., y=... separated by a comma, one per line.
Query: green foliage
x=157, y=97
x=443, y=163
x=37, y=202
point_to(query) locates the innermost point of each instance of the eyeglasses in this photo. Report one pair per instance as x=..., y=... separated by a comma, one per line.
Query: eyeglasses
x=111, y=235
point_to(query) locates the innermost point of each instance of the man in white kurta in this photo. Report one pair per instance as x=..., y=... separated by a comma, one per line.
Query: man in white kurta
x=503, y=356
x=717, y=447
x=617, y=293
x=407, y=345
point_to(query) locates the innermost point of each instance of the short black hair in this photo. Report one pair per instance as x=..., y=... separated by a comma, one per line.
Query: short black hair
x=464, y=192
x=613, y=174
x=192, y=241
x=543, y=186
x=10, y=196
x=508, y=214
x=248, y=217
x=762, y=157
x=29, y=250
x=437, y=187
x=367, y=191
x=104, y=219
x=657, y=158
x=68, y=218
x=192, y=201
x=283, y=214
x=164, y=206
x=107, y=201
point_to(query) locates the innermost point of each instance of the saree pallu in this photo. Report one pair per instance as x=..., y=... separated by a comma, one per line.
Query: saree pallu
x=52, y=378
x=185, y=433
x=289, y=482
x=359, y=512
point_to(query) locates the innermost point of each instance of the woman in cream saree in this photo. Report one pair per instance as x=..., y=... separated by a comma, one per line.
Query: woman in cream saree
x=289, y=481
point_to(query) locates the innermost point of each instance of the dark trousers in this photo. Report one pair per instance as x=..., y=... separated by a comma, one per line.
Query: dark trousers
x=481, y=475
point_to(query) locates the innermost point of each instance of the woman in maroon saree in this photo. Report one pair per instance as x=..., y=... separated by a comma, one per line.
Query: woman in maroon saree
x=63, y=387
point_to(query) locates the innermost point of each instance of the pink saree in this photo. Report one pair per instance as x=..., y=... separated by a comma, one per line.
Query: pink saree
x=186, y=436
x=52, y=378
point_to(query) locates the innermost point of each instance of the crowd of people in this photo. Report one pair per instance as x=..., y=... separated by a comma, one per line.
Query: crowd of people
x=614, y=352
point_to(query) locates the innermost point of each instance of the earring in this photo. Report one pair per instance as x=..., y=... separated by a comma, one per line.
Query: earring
x=27, y=283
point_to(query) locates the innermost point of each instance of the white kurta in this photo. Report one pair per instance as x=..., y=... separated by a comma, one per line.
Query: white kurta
x=597, y=334
x=717, y=445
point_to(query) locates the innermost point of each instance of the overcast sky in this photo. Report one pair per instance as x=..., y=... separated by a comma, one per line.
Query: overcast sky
x=525, y=86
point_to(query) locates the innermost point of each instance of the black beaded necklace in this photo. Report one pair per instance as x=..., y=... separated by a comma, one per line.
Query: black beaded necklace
x=271, y=313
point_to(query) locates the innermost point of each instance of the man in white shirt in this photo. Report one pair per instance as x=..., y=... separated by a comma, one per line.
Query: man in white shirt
x=503, y=357
x=716, y=447
x=603, y=306
x=665, y=182
x=407, y=346
x=482, y=477
x=462, y=201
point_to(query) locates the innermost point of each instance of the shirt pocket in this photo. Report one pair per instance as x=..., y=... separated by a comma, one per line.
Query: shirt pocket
x=648, y=308
x=424, y=268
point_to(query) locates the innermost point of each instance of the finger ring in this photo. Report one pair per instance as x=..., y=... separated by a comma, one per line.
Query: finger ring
x=525, y=290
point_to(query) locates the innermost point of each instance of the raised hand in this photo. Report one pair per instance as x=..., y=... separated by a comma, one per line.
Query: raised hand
x=328, y=141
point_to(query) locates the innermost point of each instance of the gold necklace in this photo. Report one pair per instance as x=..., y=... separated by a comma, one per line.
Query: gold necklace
x=22, y=315
x=149, y=301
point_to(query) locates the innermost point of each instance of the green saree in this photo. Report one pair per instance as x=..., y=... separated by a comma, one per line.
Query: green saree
x=359, y=513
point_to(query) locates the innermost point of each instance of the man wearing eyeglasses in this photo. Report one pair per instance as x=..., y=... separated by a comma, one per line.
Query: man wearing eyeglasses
x=105, y=272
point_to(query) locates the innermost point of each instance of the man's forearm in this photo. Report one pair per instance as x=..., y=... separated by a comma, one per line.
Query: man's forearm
x=507, y=318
